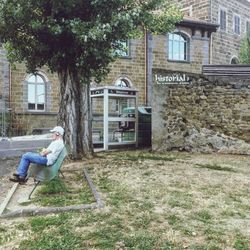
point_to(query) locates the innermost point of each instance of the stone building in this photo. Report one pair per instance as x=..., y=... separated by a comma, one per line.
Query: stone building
x=234, y=20
x=210, y=33
x=33, y=100
x=211, y=111
x=187, y=48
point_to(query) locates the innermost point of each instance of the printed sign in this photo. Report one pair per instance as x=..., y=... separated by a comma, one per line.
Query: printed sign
x=172, y=78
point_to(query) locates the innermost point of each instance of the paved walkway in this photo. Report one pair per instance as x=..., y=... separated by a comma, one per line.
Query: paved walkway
x=11, y=148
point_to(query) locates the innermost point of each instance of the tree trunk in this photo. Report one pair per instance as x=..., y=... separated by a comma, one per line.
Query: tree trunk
x=75, y=114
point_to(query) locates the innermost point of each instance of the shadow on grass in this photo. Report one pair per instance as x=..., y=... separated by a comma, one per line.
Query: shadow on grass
x=216, y=167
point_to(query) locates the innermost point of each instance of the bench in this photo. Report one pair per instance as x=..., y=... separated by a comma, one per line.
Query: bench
x=42, y=173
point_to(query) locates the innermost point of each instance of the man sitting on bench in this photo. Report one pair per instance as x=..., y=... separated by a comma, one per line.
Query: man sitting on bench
x=47, y=157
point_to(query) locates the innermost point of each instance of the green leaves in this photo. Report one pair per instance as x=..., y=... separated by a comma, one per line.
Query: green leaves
x=244, y=55
x=75, y=34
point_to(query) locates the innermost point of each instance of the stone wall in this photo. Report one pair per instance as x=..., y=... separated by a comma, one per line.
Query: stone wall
x=199, y=9
x=198, y=54
x=23, y=120
x=225, y=44
x=132, y=67
x=204, y=114
x=136, y=67
x=19, y=90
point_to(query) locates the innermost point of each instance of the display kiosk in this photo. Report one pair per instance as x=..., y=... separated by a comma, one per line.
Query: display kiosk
x=113, y=125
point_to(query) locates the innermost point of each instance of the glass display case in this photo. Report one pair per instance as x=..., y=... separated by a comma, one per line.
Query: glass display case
x=115, y=116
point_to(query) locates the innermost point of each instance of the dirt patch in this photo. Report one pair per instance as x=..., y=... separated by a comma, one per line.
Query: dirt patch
x=155, y=201
x=7, y=166
x=189, y=192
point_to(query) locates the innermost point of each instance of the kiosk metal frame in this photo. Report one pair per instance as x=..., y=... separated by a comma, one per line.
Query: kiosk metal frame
x=113, y=93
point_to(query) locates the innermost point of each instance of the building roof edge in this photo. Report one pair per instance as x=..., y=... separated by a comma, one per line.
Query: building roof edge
x=196, y=23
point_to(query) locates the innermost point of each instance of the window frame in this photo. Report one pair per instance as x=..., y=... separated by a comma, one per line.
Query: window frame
x=234, y=60
x=36, y=85
x=123, y=54
x=128, y=84
x=236, y=24
x=223, y=22
x=124, y=79
x=171, y=44
x=248, y=28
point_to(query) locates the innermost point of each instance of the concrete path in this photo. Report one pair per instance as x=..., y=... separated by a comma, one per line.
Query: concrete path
x=18, y=195
x=12, y=148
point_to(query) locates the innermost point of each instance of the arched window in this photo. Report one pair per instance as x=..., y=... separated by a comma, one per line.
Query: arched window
x=36, y=92
x=123, y=82
x=177, y=47
x=234, y=60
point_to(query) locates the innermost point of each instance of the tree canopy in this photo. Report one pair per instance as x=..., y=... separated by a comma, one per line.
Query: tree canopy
x=79, y=34
x=77, y=39
x=244, y=55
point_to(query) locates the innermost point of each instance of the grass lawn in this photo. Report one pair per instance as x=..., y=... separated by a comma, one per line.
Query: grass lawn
x=152, y=201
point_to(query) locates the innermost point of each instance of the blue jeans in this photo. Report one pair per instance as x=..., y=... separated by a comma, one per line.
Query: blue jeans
x=27, y=159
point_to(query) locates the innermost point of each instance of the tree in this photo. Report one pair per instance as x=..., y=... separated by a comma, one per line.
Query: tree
x=77, y=39
x=244, y=55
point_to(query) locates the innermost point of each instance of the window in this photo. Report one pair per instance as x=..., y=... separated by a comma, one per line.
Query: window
x=237, y=25
x=177, y=47
x=234, y=60
x=248, y=28
x=123, y=82
x=122, y=48
x=187, y=11
x=36, y=93
x=223, y=19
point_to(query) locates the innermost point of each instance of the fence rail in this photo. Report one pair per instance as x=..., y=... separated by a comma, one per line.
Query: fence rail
x=10, y=123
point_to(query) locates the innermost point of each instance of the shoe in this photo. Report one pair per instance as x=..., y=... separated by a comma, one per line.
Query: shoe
x=19, y=179
x=17, y=175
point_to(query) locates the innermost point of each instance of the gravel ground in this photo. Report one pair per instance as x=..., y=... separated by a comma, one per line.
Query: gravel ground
x=7, y=167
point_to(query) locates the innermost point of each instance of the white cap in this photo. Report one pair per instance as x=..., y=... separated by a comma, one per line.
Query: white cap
x=58, y=129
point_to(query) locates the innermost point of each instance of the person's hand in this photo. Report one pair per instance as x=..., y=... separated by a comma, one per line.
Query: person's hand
x=39, y=150
x=43, y=152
